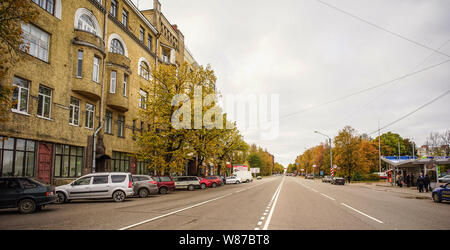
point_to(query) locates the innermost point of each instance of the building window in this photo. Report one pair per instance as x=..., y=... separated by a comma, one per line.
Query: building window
x=20, y=95
x=149, y=42
x=74, y=108
x=120, y=162
x=117, y=47
x=90, y=112
x=134, y=126
x=141, y=34
x=37, y=41
x=48, y=5
x=85, y=23
x=108, y=122
x=125, y=83
x=96, y=70
x=112, y=87
x=68, y=161
x=142, y=168
x=17, y=157
x=44, y=102
x=114, y=8
x=125, y=18
x=142, y=128
x=166, y=55
x=80, y=64
x=144, y=70
x=143, y=99
x=121, y=126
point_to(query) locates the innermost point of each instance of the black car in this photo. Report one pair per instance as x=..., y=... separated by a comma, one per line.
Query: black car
x=26, y=194
x=338, y=181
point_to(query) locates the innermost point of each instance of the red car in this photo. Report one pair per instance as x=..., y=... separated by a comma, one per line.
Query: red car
x=165, y=183
x=212, y=181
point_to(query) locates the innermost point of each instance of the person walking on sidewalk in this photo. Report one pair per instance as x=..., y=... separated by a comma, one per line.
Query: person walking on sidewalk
x=399, y=180
x=349, y=178
x=420, y=182
x=426, y=183
x=408, y=181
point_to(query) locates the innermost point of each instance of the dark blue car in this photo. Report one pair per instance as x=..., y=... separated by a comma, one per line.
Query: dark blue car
x=26, y=194
x=441, y=193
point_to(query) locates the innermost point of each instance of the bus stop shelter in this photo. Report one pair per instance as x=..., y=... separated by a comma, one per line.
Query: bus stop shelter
x=414, y=166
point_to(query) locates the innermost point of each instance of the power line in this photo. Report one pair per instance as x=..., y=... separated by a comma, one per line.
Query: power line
x=367, y=89
x=383, y=29
x=412, y=112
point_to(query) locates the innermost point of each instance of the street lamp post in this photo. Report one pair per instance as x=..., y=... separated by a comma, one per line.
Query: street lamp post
x=331, y=148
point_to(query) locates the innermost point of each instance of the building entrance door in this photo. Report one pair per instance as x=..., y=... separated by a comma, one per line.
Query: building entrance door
x=44, y=171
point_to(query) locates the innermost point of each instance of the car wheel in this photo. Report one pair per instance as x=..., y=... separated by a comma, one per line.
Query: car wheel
x=436, y=198
x=214, y=185
x=119, y=196
x=237, y=182
x=60, y=198
x=191, y=188
x=143, y=192
x=203, y=186
x=27, y=206
x=163, y=190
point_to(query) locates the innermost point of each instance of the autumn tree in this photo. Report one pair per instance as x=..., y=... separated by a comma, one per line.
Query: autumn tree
x=12, y=14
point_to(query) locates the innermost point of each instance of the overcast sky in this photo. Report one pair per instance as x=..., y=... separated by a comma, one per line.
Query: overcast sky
x=309, y=54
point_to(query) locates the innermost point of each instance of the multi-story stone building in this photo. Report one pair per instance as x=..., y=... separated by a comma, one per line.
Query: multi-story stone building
x=79, y=88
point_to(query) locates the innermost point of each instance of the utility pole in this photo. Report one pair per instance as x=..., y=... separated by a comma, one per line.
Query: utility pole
x=379, y=145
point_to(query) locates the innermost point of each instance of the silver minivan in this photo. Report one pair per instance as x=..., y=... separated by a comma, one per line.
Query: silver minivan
x=186, y=182
x=117, y=186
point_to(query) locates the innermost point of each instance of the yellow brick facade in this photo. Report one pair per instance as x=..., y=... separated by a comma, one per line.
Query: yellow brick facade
x=60, y=74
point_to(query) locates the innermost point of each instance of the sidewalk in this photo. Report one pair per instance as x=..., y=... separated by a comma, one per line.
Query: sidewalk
x=384, y=186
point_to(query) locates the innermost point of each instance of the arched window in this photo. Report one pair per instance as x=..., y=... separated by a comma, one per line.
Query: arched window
x=117, y=47
x=85, y=23
x=144, y=70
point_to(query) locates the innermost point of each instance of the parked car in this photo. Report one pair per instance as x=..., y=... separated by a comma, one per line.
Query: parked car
x=26, y=194
x=441, y=193
x=445, y=179
x=117, y=186
x=213, y=181
x=338, y=181
x=144, y=185
x=327, y=179
x=187, y=182
x=259, y=178
x=165, y=184
x=233, y=180
x=309, y=176
x=382, y=175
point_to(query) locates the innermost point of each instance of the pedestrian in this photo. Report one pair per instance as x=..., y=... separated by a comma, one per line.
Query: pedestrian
x=420, y=183
x=408, y=181
x=399, y=180
x=412, y=180
x=349, y=178
x=426, y=183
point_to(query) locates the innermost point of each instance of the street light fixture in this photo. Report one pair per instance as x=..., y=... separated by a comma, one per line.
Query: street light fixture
x=331, y=148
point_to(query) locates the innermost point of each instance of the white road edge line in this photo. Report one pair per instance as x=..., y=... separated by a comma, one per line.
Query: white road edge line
x=331, y=198
x=379, y=221
x=181, y=210
x=274, y=200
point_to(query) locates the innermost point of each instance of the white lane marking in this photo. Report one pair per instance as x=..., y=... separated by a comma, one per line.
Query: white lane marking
x=379, y=221
x=181, y=210
x=257, y=228
x=259, y=223
x=331, y=198
x=262, y=218
x=274, y=200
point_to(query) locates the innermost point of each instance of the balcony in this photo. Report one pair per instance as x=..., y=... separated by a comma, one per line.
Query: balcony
x=87, y=88
x=118, y=102
x=86, y=38
x=119, y=60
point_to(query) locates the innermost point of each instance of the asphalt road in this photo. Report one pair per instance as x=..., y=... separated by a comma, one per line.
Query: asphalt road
x=274, y=203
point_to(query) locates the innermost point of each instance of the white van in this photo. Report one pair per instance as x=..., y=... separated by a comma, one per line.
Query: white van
x=117, y=186
x=245, y=176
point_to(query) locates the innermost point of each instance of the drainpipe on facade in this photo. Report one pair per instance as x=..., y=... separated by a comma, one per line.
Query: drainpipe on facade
x=94, y=153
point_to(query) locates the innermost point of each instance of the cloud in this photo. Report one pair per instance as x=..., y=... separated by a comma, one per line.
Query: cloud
x=309, y=54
